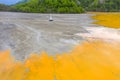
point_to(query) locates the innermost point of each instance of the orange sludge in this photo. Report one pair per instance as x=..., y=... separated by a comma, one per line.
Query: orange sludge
x=90, y=61
x=111, y=20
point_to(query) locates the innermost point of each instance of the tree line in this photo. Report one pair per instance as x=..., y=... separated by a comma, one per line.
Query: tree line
x=66, y=6
x=101, y=5
x=50, y=6
x=4, y=7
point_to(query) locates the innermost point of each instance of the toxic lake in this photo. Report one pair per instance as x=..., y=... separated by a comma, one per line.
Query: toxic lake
x=25, y=33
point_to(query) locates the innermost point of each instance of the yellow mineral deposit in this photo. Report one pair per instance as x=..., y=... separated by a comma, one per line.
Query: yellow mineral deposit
x=111, y=20
x=9, y=69
x=90, y=61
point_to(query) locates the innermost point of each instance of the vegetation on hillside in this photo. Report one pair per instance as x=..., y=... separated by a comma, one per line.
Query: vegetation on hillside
x=50, y=6
x=101, y=5
x=5, y=7
x=66, y=6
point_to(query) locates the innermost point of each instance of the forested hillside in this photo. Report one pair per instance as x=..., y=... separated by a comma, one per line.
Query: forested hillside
x=5, y=7
x=66, y=6
x=101, y=5
x=49, y=6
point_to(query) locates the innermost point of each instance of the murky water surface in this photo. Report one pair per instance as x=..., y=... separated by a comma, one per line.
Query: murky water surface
x=26, y=33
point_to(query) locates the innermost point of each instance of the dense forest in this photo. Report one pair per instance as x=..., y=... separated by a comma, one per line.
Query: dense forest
x=4, y=7
x=101, y=5
x=50, y=6
x=66, y=6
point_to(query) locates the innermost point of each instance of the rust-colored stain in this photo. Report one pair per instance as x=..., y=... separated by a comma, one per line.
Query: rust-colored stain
x=90, y=61
x=111, y=20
